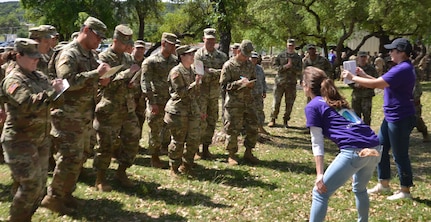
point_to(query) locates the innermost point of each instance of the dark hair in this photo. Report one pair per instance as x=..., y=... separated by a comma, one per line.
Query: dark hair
x=321, y=85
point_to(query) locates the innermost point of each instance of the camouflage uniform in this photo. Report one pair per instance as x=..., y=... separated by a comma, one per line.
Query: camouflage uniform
x=320, y=62
x=210, y=91
x=72, y=122
x=115, y=115
x=285, y=83
x=420, y=123
x=239, y=105
x=182, y=116
x=258, y=90
x=362, y=97
x=25, y=137
x=379, y=65
x=155, y=70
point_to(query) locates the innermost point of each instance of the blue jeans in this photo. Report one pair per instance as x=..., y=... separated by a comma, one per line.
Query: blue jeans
x=396, y=136
x=347, y=164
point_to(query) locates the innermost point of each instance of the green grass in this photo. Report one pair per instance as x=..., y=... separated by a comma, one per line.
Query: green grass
x=278, y=189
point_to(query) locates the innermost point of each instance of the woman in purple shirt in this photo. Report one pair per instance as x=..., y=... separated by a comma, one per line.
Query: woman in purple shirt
x=328, y=115
x=398, y=107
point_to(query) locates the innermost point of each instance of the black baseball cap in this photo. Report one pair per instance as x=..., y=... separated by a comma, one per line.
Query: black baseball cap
x=400, y=44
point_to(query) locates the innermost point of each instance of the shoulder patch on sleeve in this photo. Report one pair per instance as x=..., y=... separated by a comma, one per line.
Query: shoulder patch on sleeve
x=12, y=88
x=174, y=75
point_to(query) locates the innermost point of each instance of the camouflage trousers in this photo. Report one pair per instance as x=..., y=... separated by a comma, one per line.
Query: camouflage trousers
x=289, y=92
x=158, y=133
x=258, y=103
x=210, y=107
x=73, y=138
x=420, y=124
x=28, y=162
x=237, y=119
x=362, y=107
x=120, y=128
x=141, y=107
x=185, y=131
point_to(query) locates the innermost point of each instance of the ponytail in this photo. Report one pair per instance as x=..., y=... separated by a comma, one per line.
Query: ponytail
x=321, y=85
x=332, y=96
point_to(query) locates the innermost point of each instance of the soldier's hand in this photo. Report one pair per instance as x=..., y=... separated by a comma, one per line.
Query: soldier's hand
x=264, y=95
x=154, y=109
x=204, y=116
x=103, y=68
x=198, y=79
x=134, y=68
x=57, y=84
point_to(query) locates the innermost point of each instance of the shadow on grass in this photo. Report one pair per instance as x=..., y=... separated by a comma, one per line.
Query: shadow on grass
x=109, y=210
x=299, y=168
x=231, y=177
x=5, y=195
x=423, y=201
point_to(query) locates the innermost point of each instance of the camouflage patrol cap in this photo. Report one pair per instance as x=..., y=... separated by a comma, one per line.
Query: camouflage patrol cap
x=235, y=46
x=39, y=32
x=124, y=34
x=209, y=33
x=246, y=48
x=254, y=55
x=169, y=37
x=362, y=53
x=185, y=49
x=52, y=29
x=97, y=26
x=291, y=42
x=27, y=47
x=139, y=44
x=311, y=46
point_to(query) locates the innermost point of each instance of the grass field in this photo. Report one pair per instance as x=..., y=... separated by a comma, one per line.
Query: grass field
x=278, y=189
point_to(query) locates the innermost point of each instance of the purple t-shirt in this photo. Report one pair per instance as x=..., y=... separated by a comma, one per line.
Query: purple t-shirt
x=398, y=96
x=341, y=131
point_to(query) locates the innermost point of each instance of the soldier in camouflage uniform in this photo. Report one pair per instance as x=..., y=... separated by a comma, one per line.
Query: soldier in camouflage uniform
x=237, y=79
x=213, y=61
x=72, y=122
x=288, y=65
x=42, y=34
x=316, y=60
x=115, y=113
x=141, y=106
x=155, y=70
x=182, y=113
x=259, y=92
x=420, y=123
x=28, y=96
x=362, y=97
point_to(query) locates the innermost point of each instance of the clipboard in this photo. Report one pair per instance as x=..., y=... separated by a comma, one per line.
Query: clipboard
x=111, y=72
x=245, y=85
x=64, y=87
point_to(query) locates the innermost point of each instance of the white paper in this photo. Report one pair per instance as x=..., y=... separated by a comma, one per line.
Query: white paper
x=199, y=67
x=351, y=67
x=64, y=86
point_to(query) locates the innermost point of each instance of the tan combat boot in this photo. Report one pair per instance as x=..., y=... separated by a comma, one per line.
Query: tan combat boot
x=186, y=168
x=249, y=157
x=56, y=204
x=232, y=160
x=101, y=184
x=173, y=172
x=155, y=161
x=271, y=123
x=122, y=177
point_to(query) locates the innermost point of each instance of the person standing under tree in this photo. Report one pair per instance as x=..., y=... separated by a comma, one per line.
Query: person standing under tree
x=288, y=65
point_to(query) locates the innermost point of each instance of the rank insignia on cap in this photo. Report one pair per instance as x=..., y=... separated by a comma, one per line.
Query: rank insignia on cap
x=12, y=88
